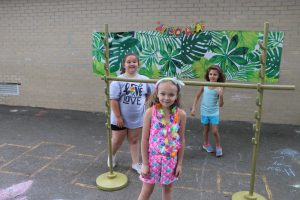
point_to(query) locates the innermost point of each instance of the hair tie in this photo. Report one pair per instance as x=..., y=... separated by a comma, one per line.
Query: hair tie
x=174, y=80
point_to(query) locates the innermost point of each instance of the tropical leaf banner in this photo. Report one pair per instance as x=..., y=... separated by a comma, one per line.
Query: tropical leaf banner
x=188, y=56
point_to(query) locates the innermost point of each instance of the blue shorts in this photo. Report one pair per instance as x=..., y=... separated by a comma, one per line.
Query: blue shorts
x=210, y=120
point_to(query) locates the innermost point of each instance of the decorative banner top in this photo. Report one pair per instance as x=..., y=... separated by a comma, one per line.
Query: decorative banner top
x=188, y=55
x=180, y=31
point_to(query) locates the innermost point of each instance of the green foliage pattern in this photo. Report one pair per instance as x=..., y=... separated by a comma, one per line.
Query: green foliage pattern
x=188, y=56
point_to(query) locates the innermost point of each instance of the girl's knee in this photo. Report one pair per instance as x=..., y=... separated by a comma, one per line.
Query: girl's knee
x=133, y=141
x=147, y=190
x=167, y=188
x=216, y=133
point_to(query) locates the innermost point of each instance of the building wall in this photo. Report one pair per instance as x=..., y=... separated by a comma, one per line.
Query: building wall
x=46, y=46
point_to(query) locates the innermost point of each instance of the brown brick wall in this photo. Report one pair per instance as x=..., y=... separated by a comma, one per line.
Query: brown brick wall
x=46, y=46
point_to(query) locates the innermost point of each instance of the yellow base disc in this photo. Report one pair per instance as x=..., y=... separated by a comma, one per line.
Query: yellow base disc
x=111, y=182
x=244, y=195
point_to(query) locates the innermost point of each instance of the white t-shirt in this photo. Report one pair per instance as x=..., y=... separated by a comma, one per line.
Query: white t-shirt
x=132, y=98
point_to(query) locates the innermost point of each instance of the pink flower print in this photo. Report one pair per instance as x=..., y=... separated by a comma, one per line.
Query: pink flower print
x=188, y=31
x=171, y=31
x=178, y=31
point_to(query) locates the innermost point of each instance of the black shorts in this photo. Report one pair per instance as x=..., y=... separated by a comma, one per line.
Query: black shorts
x=116, y=128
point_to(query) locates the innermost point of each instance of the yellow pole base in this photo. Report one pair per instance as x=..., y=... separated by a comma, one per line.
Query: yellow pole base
x=244, y=195
x=111, y=182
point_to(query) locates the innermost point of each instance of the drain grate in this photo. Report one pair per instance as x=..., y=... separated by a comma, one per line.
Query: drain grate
x=9, y=89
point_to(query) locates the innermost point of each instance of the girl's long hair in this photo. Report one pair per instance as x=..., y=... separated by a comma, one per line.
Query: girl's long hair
x=217, y=68
x=124, y=60
x=154, y=99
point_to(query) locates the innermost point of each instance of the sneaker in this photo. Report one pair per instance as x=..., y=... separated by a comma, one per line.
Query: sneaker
x=208, y=148
x=137, y=167
x=219, y=152
x=113, y=161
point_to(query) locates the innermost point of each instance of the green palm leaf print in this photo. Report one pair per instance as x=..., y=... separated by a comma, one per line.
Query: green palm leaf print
x=194, y=47
x=228, y=57
x=188, y=56
x=119, y=47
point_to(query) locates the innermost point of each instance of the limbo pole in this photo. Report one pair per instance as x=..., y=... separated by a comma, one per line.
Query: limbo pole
x=216, y=84
x=260, y=86
x=251, y=195
x=109, y=181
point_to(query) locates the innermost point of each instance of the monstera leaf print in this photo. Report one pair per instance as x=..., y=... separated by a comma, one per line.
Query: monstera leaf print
x=99, y=52
x=228, y=57
x=149, y=57
x=151, y=72
x=275, y=39
x=186, y=72
x=273, y=62
x=216, y=38
x=194, y=47
x=274, y=52
x=188, y=56
x=247, y=73
x=149, y=60
x=246, y=38
x=156, y=40
x=171, y=59
x=152, y=42
x=119, y=47
x=98, y=46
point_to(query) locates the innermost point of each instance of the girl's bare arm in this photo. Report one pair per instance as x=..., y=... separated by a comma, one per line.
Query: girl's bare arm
x=116, y=109
x=221, y=94
x=145, y=141
x=196, y=100
x=182, y=117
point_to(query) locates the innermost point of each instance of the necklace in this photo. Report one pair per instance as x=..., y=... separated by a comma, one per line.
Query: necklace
x=168, y=144
x=161, y=115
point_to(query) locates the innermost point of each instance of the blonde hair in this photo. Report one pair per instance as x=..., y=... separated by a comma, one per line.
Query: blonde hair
x=154, y=99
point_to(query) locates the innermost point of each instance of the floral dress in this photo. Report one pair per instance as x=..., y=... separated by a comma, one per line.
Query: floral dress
x=164, y=143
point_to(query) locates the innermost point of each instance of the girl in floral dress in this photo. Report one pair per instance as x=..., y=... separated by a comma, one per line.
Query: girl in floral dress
x=163, y=139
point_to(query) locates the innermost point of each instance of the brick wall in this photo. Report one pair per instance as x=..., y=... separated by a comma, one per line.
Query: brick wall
x=46, y=46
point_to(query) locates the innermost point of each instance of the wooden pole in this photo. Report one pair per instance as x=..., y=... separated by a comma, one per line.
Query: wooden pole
x=111, y=180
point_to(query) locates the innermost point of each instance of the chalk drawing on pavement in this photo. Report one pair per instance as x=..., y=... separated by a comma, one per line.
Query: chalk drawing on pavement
x=16, y=192
x=281, y=163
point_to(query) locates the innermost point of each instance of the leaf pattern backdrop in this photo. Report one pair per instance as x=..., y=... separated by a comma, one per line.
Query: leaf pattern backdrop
x=188, y=56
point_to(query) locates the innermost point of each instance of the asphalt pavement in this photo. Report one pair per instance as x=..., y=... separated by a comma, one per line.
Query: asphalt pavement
x=50, y=154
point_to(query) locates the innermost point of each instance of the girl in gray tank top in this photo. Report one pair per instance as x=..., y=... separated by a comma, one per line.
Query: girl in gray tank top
x=212, y=99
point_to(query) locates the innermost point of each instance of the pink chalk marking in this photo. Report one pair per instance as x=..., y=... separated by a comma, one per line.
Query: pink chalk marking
x=40, y=113
x=22, y=198
x=15, y=191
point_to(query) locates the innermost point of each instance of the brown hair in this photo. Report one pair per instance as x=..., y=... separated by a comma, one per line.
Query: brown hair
x=217, y=68
x=124, y=60
x=154, y=99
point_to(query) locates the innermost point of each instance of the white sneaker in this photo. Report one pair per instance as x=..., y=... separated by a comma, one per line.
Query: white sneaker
x=137, y=167
x=113, y=161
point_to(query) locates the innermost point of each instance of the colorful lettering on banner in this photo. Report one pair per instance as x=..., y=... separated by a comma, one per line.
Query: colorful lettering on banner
x=180, y=31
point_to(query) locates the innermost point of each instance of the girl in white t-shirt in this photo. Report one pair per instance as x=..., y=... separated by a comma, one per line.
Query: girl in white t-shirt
x=127, y=100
